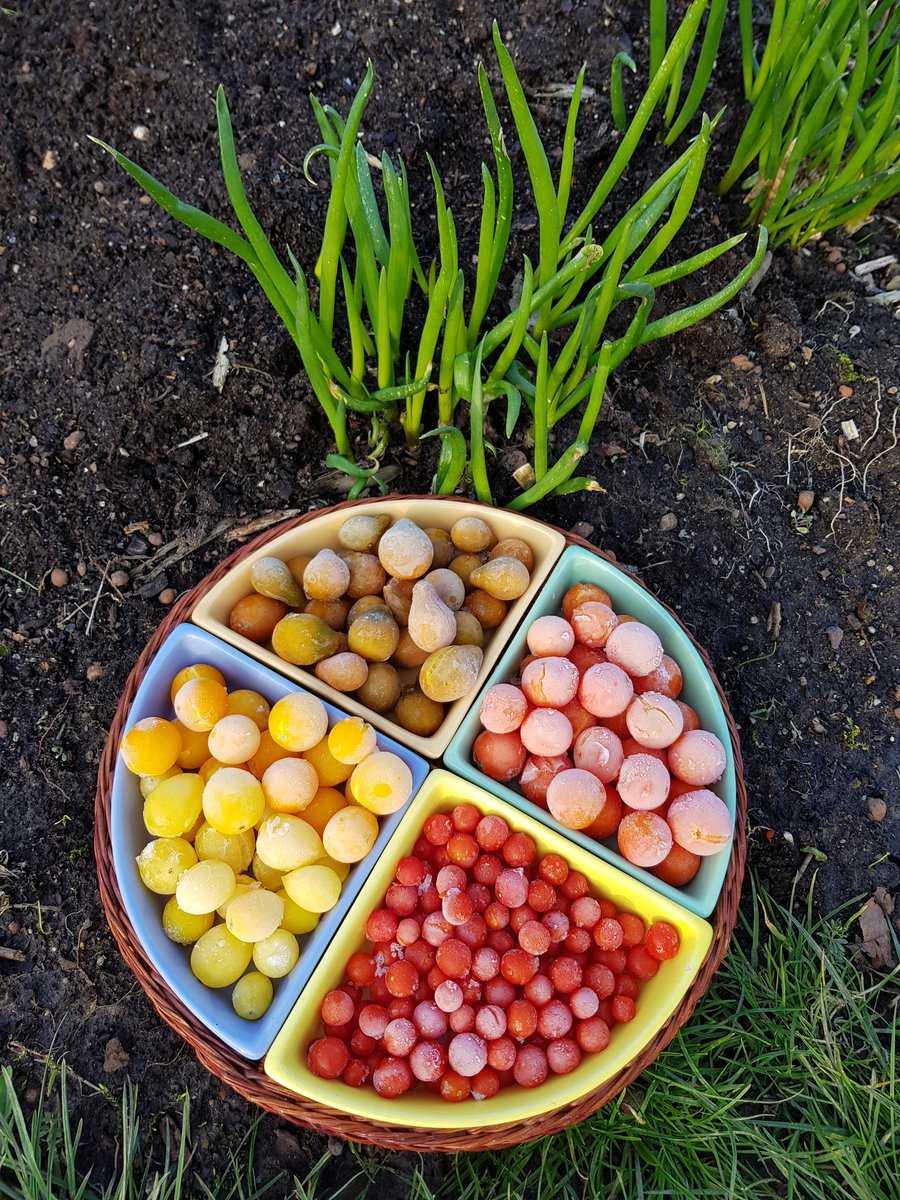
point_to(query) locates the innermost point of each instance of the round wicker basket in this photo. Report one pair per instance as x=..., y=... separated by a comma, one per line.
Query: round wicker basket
x=248, y=1078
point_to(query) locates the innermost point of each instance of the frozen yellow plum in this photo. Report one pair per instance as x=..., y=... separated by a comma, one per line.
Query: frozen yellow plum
x=254, y=915
x=326, y=577
x=151, y=746
x=329, y=770
x=345, y=672
x=277, y=954
x=397, y=595
x=252, y=995
x=242, y=884
x=448, y=585
x=266, y=875
x=162, y=862
x=362, y=531
x=405, y=551
x=367, y=575
x=504, y=578
x=363, y=605
x=271, y=577
x=269, y=751
x=236, y=849
x=487, y=609
x=297, y=565
x=315, y=888
x=204, y=887
x=513, y=547
x=342, y=870
x=471, y=535
x=146, y=783
x=417, y=713
x=468, y=629
x=451, y=673
x=442, y=546
x=326, y=803
x=332, y=612
x=172, y=808
x=303, y=639
x=350, y=834
x=234, y=739
x=209, y=768
x=381, y=691
x=431, y=623
x=290, y=784
x=463, y=566
x=194, y=671
x=233, y=800
x=382, y=783
x=200, y=703
x=408, y=653
x=351, y=739
x=244, y=702
x=286, y=842
x=194, y=747
x=297, y=920
x=181, y=927
x=254, y=617
x=219, y=958
x=374, y=635
x=298, y=721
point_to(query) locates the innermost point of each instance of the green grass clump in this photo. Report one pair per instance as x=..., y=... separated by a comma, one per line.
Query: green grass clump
x=783, y=1084
x=821, y=147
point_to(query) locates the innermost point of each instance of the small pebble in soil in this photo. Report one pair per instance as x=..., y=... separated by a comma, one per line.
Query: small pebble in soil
x=667, y=522
x=835, y=636
x=155, y=539
x=120, y=579
x=73, y=440
x=877, y=808
x=95, y=671
x=167, y=596
x=58, y=577
x=140, y=133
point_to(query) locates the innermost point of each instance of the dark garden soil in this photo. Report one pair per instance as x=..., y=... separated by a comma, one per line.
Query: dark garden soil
x=116, y=454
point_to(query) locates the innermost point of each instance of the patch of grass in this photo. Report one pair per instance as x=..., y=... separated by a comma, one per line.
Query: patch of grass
x=847, y=367
x=784, y=1084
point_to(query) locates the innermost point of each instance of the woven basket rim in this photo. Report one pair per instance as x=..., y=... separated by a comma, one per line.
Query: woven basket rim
x=247, y=1078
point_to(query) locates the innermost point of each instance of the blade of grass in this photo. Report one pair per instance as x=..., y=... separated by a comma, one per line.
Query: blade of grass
x=564, y=186
x=616, y=91
x=451, y=464
x=453, y=344
x=683, y=38
x=559, y=473
x=518, y=326
x=536, y=160
x=709, y=48
x=500, y=238
x=336, y=215
x=657, y=34
x=237, y=194
x=477, y=462
x=542, y=410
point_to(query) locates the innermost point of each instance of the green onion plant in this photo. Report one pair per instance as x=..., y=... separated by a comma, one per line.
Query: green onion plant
x=676, y=81
x=580, y=310
x=821, y=147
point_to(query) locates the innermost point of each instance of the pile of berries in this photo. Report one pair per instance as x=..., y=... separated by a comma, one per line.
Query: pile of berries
x=397, y=615
x=487, y=965
x=256, y=814
x=593, y=730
